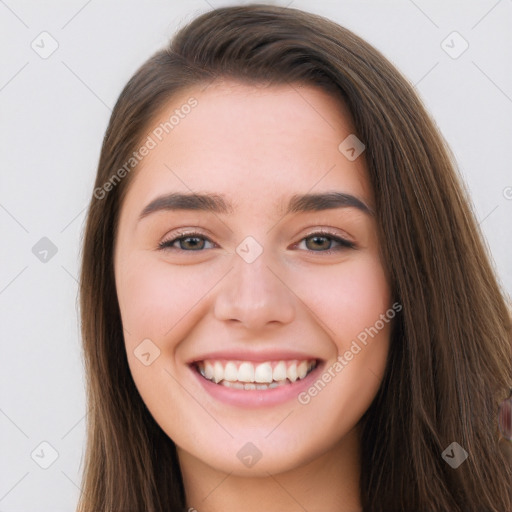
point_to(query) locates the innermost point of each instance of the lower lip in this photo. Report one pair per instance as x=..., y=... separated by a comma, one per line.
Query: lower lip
x=254, y=398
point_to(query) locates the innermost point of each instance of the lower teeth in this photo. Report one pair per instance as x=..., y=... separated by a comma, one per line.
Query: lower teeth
x=251, y=385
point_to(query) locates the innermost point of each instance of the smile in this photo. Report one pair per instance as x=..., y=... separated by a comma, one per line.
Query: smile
x=246, y=375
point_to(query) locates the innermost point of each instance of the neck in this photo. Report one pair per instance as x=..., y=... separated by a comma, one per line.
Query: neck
x=329, y=482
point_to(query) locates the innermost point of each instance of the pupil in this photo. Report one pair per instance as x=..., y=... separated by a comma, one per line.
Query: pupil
x=194, y=244
x=318, y=241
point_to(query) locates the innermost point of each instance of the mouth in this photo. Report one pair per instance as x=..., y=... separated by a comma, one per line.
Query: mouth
x=251, y=376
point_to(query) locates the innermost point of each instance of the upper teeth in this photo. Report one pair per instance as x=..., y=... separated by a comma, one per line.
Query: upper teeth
x=245, y=371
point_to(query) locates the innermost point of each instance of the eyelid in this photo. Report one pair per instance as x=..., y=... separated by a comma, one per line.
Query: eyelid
x=176, y=236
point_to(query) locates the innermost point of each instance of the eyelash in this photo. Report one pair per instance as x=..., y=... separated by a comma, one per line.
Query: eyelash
x=344, y=244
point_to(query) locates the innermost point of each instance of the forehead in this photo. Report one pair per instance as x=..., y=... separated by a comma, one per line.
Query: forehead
x=251, y=143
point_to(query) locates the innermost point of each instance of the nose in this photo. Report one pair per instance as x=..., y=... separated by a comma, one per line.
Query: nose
x=254, y=296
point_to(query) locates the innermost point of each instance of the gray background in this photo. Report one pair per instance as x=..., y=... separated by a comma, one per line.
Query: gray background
x=54, y=112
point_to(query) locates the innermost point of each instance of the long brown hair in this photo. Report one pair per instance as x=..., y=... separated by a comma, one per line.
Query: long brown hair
x=449, y=364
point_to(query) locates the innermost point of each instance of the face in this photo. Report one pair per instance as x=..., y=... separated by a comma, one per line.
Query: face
x=256, y=323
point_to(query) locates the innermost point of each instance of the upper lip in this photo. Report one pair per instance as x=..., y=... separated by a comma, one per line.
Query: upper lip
x=244, y=355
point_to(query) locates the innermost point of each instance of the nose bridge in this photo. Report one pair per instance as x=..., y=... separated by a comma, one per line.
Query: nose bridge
x=252, y=294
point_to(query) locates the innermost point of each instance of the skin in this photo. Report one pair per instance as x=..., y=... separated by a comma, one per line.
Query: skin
x=257, y=146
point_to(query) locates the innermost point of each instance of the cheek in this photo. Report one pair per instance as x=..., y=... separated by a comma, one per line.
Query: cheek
x=144, y=292
x=347, y=298
x=156, y=298
x=351, y=307
x=160, y=303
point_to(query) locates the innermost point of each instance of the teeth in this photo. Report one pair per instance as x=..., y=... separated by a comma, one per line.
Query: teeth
x=246, y=372
x=218, y=372
x=302, y=369
x=247, y=386
x=280, y=371
x=208, y=371
x=235, y=385
x=249, y=376
x=230, y=372
x=291, y=372
x=263, y=373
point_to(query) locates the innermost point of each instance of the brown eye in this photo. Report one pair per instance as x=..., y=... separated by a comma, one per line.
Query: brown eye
x=323, y=242
x=318, y=242
x=190, y=242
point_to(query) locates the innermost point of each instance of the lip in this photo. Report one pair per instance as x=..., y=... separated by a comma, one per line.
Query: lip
x=257, y=398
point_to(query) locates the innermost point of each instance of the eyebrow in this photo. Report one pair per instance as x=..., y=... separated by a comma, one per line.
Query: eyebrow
x=215, y=203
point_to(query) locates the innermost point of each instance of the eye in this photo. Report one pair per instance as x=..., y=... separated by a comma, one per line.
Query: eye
x=322, y=241
x=187, y=242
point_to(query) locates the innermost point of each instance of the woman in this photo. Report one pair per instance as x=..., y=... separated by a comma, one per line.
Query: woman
x=286, y=302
